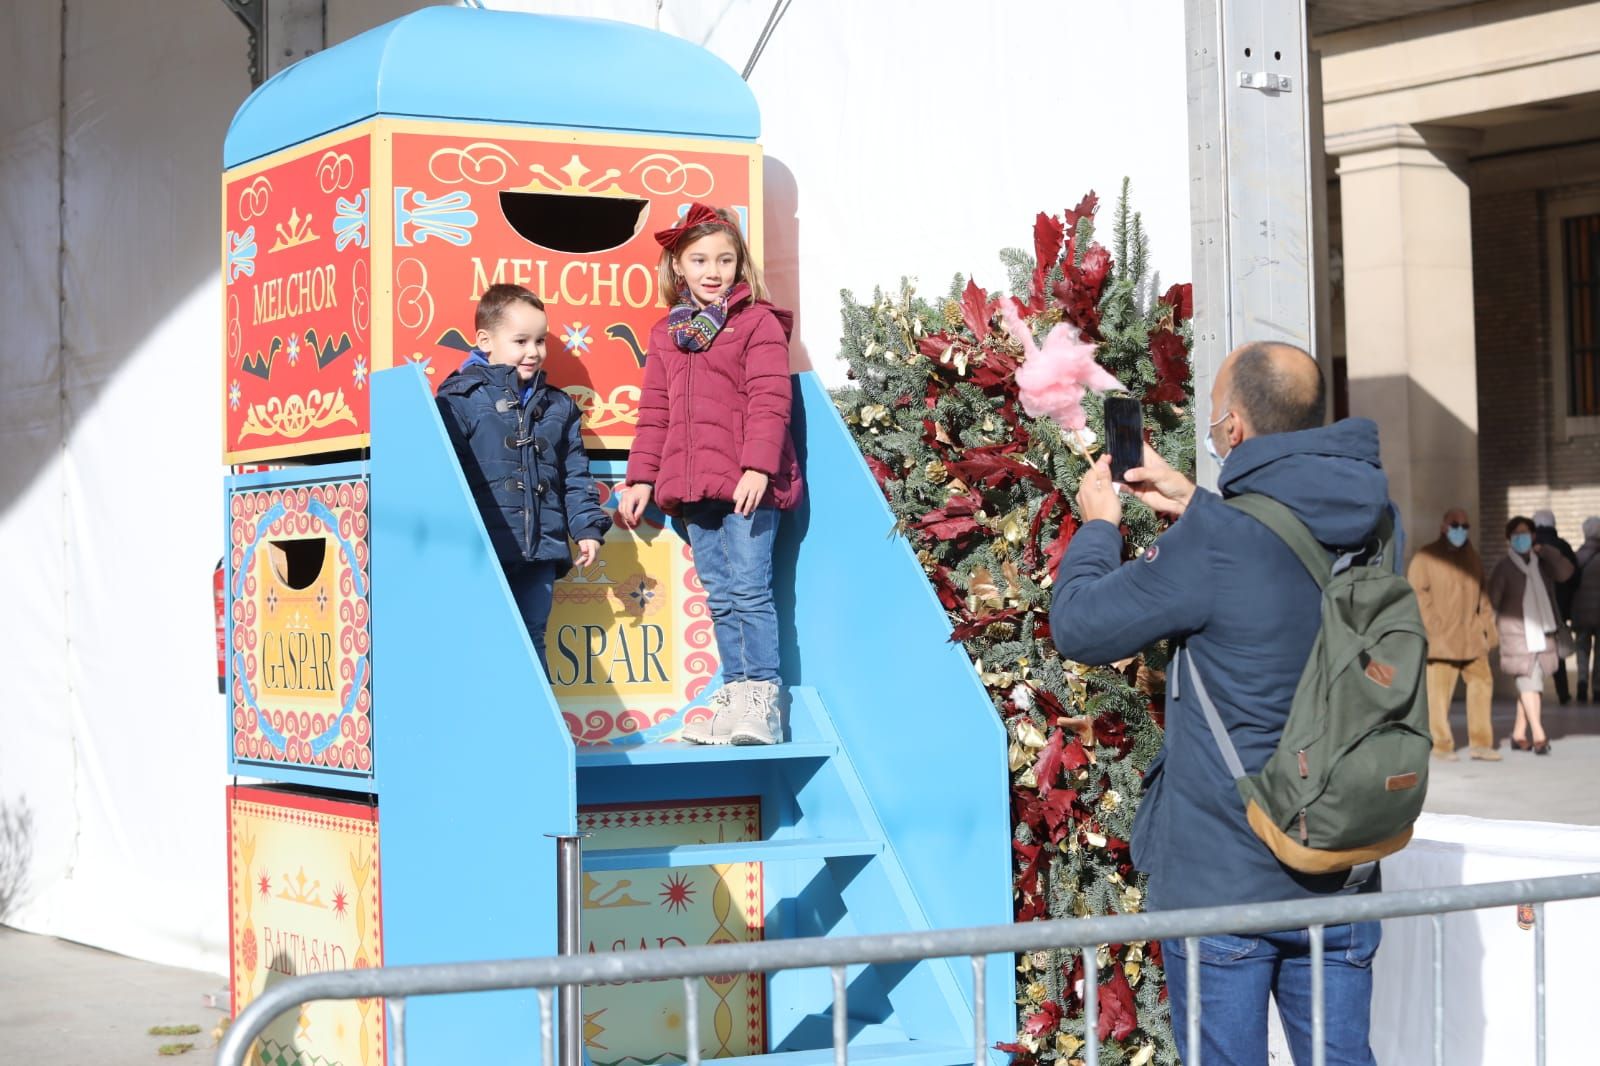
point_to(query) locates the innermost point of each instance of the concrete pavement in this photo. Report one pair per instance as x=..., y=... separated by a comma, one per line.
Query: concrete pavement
x=63, y=1004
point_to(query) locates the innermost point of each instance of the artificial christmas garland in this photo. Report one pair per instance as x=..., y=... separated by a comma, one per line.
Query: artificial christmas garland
x=984, y=492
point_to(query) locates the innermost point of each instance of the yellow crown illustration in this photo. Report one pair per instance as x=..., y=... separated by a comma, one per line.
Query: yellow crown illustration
x=575, y=185
x=295, y=232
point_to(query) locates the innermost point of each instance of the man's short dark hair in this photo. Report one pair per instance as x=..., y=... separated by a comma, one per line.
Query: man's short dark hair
x=1270, y=399
x=1518, y=522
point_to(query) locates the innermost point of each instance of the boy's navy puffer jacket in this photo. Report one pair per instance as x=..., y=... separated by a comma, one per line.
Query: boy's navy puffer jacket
x=520, y=450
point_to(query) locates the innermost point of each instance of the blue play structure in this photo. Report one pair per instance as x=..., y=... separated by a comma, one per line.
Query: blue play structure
x=886, y=810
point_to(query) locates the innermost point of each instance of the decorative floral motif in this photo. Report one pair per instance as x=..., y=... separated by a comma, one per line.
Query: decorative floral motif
x=292, y=351
x=575, y=338
x=360, y=371
x=481, y=162
x=621, y=408
x=661, y=174
x=448, y=217
x=241, y=253
x=335, y=171
x=295, y=416
x=352, y=221
x=234, y=392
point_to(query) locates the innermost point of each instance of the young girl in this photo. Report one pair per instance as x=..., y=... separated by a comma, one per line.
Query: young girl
x=713, y=449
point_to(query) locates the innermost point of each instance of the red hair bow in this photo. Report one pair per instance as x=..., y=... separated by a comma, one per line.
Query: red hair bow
x=697, y=215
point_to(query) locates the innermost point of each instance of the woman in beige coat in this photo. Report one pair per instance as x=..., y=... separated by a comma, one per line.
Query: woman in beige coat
x=1522, y=590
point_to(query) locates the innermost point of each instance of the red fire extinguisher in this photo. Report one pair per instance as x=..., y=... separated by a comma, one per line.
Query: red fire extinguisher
x=220, y=601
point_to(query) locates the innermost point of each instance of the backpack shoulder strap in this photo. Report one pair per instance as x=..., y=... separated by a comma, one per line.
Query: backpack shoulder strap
x=1289, y=529
x=1219, y=731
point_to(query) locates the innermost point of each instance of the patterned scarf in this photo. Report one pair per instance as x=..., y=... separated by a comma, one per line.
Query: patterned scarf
x=693, y=328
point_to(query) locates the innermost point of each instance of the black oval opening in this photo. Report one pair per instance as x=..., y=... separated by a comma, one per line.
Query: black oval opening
x=298, y=563
x=1247, y=53
x=577, y=224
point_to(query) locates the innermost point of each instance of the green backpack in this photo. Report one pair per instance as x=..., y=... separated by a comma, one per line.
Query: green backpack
x=1351, y=769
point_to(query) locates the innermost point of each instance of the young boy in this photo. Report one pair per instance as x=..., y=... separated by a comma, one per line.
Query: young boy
x=517, y=439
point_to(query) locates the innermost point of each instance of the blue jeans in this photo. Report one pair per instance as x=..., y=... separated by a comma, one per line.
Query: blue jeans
x=733, y=556
x=533, y=585
x=1237, y=973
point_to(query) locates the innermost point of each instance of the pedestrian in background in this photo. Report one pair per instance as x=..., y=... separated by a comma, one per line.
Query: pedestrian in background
x=1544, y=532
x=1522, y=591
x=1586, y=609
x=1452, y=593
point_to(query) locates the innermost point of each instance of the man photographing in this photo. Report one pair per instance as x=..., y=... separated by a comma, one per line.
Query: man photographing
x=1247, y=611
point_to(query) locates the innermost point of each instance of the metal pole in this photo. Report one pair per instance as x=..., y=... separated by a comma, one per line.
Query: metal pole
x=1438, y=990
x=1251, y=199
x=1319, y=1025
x=569, y=902
x=1538, y=981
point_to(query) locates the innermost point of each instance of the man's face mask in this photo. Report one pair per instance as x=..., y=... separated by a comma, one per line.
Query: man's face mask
x=1522, y=543
x=1211, y=445
x=1457, y=535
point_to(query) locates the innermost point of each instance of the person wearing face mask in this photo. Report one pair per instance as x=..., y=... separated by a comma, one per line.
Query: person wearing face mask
x=1448, y=577
x=1247, y=612
x=1522, y=591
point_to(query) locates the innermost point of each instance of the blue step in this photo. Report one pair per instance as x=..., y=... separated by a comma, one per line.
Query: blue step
x=899, y=1053
x=717, y=854
x=670, y=754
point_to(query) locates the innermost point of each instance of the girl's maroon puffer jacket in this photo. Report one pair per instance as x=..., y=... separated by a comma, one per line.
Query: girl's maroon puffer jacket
x=707, y=417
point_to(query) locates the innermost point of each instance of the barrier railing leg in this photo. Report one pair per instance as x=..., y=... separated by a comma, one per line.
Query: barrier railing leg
x=569, y=900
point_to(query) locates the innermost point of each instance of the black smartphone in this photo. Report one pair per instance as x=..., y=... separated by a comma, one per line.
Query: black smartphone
x=1124, y=434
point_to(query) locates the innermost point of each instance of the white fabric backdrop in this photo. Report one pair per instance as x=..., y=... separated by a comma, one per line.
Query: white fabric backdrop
x=904, y=137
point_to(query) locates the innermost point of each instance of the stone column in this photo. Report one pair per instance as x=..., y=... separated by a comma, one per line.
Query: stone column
x=1406, y=218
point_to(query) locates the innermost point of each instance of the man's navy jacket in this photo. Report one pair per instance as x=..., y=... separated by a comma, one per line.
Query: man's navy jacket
x=1247, y=612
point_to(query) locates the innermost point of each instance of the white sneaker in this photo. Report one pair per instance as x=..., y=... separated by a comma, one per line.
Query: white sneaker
x=761, y=721
x=727, y=705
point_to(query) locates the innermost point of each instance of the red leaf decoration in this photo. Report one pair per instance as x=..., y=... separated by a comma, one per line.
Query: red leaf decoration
x=1048, y=766
x=1085, y=209
x=1118, y=1015
x=968, y=630
x=1057, y=812
x=1171, y=361
x=1045, y=1020
x=1048, y=235
x=1030, y=552
x=880, y=471
x=1080, y=289
x=1058, y=547
x=975, y=310
x=1181, y=299
x=935, y=344
x=993, y=471
x=995, y=373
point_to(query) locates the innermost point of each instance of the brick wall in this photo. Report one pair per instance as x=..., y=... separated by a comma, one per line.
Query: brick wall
x=1522, y=464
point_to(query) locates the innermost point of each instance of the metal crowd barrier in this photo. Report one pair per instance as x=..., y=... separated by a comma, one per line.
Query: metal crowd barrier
x=1085, y=935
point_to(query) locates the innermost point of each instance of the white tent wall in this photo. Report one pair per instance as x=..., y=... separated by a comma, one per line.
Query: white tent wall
x=901, y=136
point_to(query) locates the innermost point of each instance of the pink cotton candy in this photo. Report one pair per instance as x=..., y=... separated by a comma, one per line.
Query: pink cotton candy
x=1051, y=379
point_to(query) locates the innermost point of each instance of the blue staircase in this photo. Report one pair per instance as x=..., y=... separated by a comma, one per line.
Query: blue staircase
x=885, y=811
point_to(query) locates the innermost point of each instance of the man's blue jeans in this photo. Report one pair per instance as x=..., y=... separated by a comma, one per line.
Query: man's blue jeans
x=1237, y=973
x=533, y=587
x=733, y=556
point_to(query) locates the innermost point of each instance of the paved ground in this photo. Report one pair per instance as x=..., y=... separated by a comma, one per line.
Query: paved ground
x=63, y=1004
x=1559, y=787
